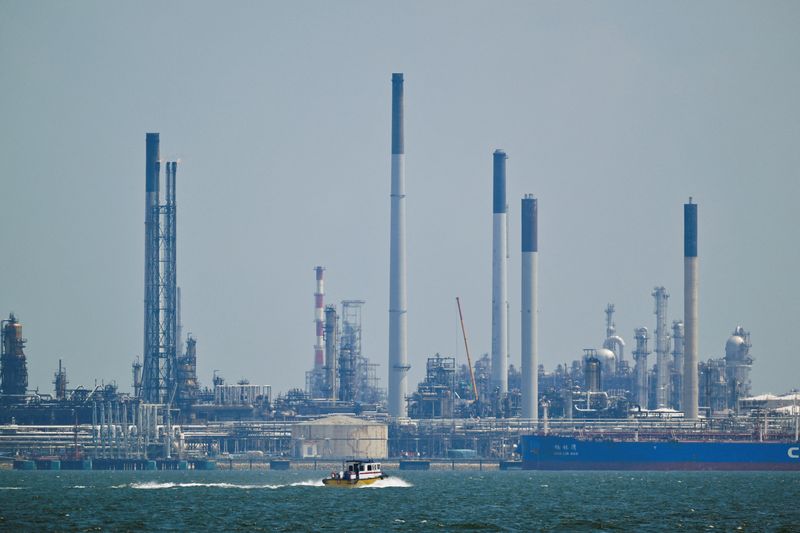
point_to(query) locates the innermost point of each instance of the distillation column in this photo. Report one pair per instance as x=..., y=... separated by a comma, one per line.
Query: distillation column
x=677, y=364
x=530, y=357
x=398, y=349
x=499, y=276
x=640, y=356
x=13, y=364
x=331, y=342
x=662, y=347
x=690, y=281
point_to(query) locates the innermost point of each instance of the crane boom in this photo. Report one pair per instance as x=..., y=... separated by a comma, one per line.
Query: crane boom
x=466, y=347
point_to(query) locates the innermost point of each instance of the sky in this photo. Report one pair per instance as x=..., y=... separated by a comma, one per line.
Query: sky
x=613, y=114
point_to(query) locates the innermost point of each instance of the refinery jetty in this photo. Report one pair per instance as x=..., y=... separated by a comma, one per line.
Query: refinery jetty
x=475, y=412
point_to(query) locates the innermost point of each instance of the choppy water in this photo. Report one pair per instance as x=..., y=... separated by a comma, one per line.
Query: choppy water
x=411, y=501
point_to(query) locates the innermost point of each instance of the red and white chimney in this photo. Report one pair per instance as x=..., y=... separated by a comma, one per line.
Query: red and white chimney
x=319, y=319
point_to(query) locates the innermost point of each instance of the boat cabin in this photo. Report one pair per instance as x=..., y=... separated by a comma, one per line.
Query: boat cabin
x=361, y=469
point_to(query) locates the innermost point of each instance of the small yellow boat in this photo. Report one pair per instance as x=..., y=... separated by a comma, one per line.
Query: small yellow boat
x=355, y=474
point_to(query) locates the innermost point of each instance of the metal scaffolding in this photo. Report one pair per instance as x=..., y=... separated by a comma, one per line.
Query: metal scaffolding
x=160, y=307
x=188, y=389
x=60, y=382
x=350, y=350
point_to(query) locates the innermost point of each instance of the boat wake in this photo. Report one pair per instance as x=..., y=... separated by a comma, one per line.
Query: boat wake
x=155, y=485
x=309, y=483
x=390, y=482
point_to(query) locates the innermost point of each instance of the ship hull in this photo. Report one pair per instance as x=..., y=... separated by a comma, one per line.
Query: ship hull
x=351, y=483
x=571, y=453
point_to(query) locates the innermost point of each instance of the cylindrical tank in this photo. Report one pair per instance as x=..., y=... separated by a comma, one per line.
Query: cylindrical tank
x=592, y=373
x=340, y=437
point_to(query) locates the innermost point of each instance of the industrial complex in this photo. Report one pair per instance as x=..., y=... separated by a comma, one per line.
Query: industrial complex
x=360, y=404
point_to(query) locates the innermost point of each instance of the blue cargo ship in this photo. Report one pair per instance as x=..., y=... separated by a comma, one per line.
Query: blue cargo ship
x=558, y=452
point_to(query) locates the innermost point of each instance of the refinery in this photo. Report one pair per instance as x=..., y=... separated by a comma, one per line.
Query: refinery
x=649, y=383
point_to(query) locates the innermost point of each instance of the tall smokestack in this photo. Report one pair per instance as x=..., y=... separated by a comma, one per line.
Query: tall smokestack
x=319, y=319
x=398, y=350
x=151, y=270
x=690, y=282
x=530, y=356
x=499, y=277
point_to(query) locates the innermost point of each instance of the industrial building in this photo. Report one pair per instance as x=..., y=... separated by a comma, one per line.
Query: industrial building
x=481, y=406
x=13, y=364
x=602, y=383
x=343, y=379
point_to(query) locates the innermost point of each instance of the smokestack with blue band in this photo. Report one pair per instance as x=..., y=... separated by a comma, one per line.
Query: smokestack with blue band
x=690, y=283
x=499, y=276
x=530, y=356
x=151, y=269
x=398, y=351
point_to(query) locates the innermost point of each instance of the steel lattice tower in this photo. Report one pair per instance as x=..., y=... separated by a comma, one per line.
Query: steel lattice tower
x=160, y=281
x=168, y=289
x=350, y=350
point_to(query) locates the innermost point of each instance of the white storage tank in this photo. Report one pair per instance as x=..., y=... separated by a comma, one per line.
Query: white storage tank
x=608, y=361
x=340, y=437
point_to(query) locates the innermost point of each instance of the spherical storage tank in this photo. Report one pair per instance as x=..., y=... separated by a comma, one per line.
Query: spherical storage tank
x=340, y=437
x=735, y=347
x=608, y=361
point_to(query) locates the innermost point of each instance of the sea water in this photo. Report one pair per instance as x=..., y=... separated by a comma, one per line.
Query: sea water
x=408, y=501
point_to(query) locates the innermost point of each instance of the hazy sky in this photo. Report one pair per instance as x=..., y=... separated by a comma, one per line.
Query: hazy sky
x=612, y=114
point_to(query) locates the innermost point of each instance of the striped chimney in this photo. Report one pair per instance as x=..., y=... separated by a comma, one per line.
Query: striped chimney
x=319, y=319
